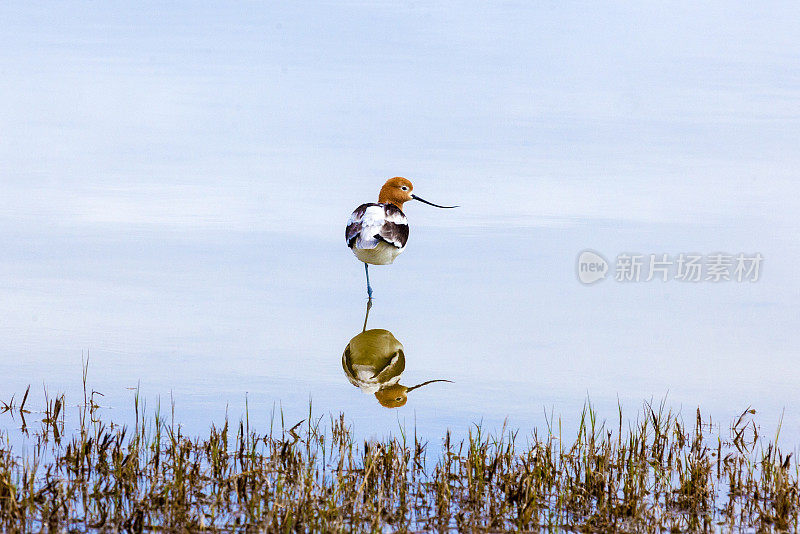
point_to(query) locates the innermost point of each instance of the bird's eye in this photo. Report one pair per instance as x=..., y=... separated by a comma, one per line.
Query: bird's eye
x=404, y=188
x=397, y=399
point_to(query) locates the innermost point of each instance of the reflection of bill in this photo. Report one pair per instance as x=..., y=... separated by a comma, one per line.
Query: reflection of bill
x=374, y=362
x=592, y=267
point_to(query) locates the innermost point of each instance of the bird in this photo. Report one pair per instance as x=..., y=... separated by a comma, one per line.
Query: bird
x=377, y=232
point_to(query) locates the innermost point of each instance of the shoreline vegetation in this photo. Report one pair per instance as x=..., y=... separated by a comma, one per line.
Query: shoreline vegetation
x=656, y=472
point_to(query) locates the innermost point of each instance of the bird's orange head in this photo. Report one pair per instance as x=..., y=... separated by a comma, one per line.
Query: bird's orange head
x=396, y=191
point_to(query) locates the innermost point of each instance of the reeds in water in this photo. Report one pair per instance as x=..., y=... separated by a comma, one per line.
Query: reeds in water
x=656, y=473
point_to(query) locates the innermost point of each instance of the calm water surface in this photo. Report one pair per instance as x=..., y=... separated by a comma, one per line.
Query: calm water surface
x=175, y=185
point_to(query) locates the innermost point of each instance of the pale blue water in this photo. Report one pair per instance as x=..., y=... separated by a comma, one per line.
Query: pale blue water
x=176, y=180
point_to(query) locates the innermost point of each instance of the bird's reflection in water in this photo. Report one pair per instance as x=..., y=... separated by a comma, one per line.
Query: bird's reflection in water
x=374, y=361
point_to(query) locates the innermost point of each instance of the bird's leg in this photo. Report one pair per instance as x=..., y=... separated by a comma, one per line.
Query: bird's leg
x=369, y=289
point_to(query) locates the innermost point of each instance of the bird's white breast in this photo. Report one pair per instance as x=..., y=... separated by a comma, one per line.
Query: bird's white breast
x=382, y=254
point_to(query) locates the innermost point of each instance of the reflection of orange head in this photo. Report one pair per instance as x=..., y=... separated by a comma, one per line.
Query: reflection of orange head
x=396, y=191
x=392, y=396
x=396, y=395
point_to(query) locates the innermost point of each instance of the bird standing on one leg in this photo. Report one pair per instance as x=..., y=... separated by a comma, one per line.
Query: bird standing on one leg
x=377, y=232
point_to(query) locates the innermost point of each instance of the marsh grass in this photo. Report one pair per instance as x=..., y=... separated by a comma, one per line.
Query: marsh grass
x=657, y=472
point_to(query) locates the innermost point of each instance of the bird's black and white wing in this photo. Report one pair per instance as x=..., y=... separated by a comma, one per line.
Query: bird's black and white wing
x=372, y=223
x=355, y=224
x=394, y=229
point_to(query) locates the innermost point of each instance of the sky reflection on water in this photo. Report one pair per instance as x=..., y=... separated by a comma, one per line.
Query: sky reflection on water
x=178, y=180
